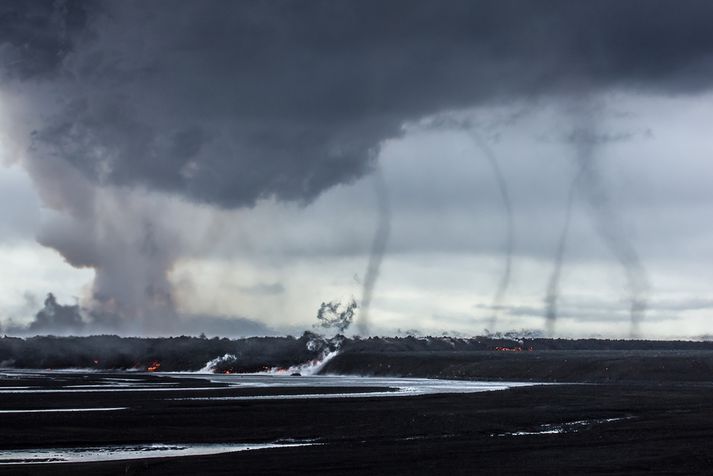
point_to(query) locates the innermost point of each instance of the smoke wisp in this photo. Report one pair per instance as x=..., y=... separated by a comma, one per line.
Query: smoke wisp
x=335, y=315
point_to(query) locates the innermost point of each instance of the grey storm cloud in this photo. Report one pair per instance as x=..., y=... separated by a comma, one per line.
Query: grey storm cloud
x=228, y=102
x=35, y=36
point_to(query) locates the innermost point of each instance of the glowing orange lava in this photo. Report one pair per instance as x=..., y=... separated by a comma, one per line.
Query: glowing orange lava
x=154, y=366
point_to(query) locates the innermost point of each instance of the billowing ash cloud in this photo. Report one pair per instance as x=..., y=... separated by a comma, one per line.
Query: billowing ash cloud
x=225, y=103
x=129, y=243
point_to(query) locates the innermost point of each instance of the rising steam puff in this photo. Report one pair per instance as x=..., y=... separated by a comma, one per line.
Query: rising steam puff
x=219, y=364
x=327, y=348
x=312, y=367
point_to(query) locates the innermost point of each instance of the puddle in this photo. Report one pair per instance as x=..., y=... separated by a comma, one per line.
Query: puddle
x=126, y=452
x=399, y=387
x=110, y=389
x=568, y=427
x=368, y=387
x=65, y=410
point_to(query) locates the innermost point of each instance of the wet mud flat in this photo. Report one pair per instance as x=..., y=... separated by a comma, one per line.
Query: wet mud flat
x=612, y=428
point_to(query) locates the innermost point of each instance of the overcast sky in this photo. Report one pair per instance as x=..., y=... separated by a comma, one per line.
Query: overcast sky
x=453, y=166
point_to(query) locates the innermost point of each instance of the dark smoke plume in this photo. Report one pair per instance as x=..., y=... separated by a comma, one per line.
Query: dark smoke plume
x=553, y=286
x=334, y=315
x=72, y=319
x=378, y=247
x=608, y=222
x=504, y=283
x=55, y=318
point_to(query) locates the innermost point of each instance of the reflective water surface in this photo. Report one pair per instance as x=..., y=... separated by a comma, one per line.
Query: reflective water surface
x=110, y=453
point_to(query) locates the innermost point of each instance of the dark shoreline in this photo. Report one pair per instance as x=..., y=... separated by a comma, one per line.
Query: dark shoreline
x=564, y=366
x=478, y=357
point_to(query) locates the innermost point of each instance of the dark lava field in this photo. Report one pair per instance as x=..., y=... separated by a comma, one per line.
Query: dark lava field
x=627, y=407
